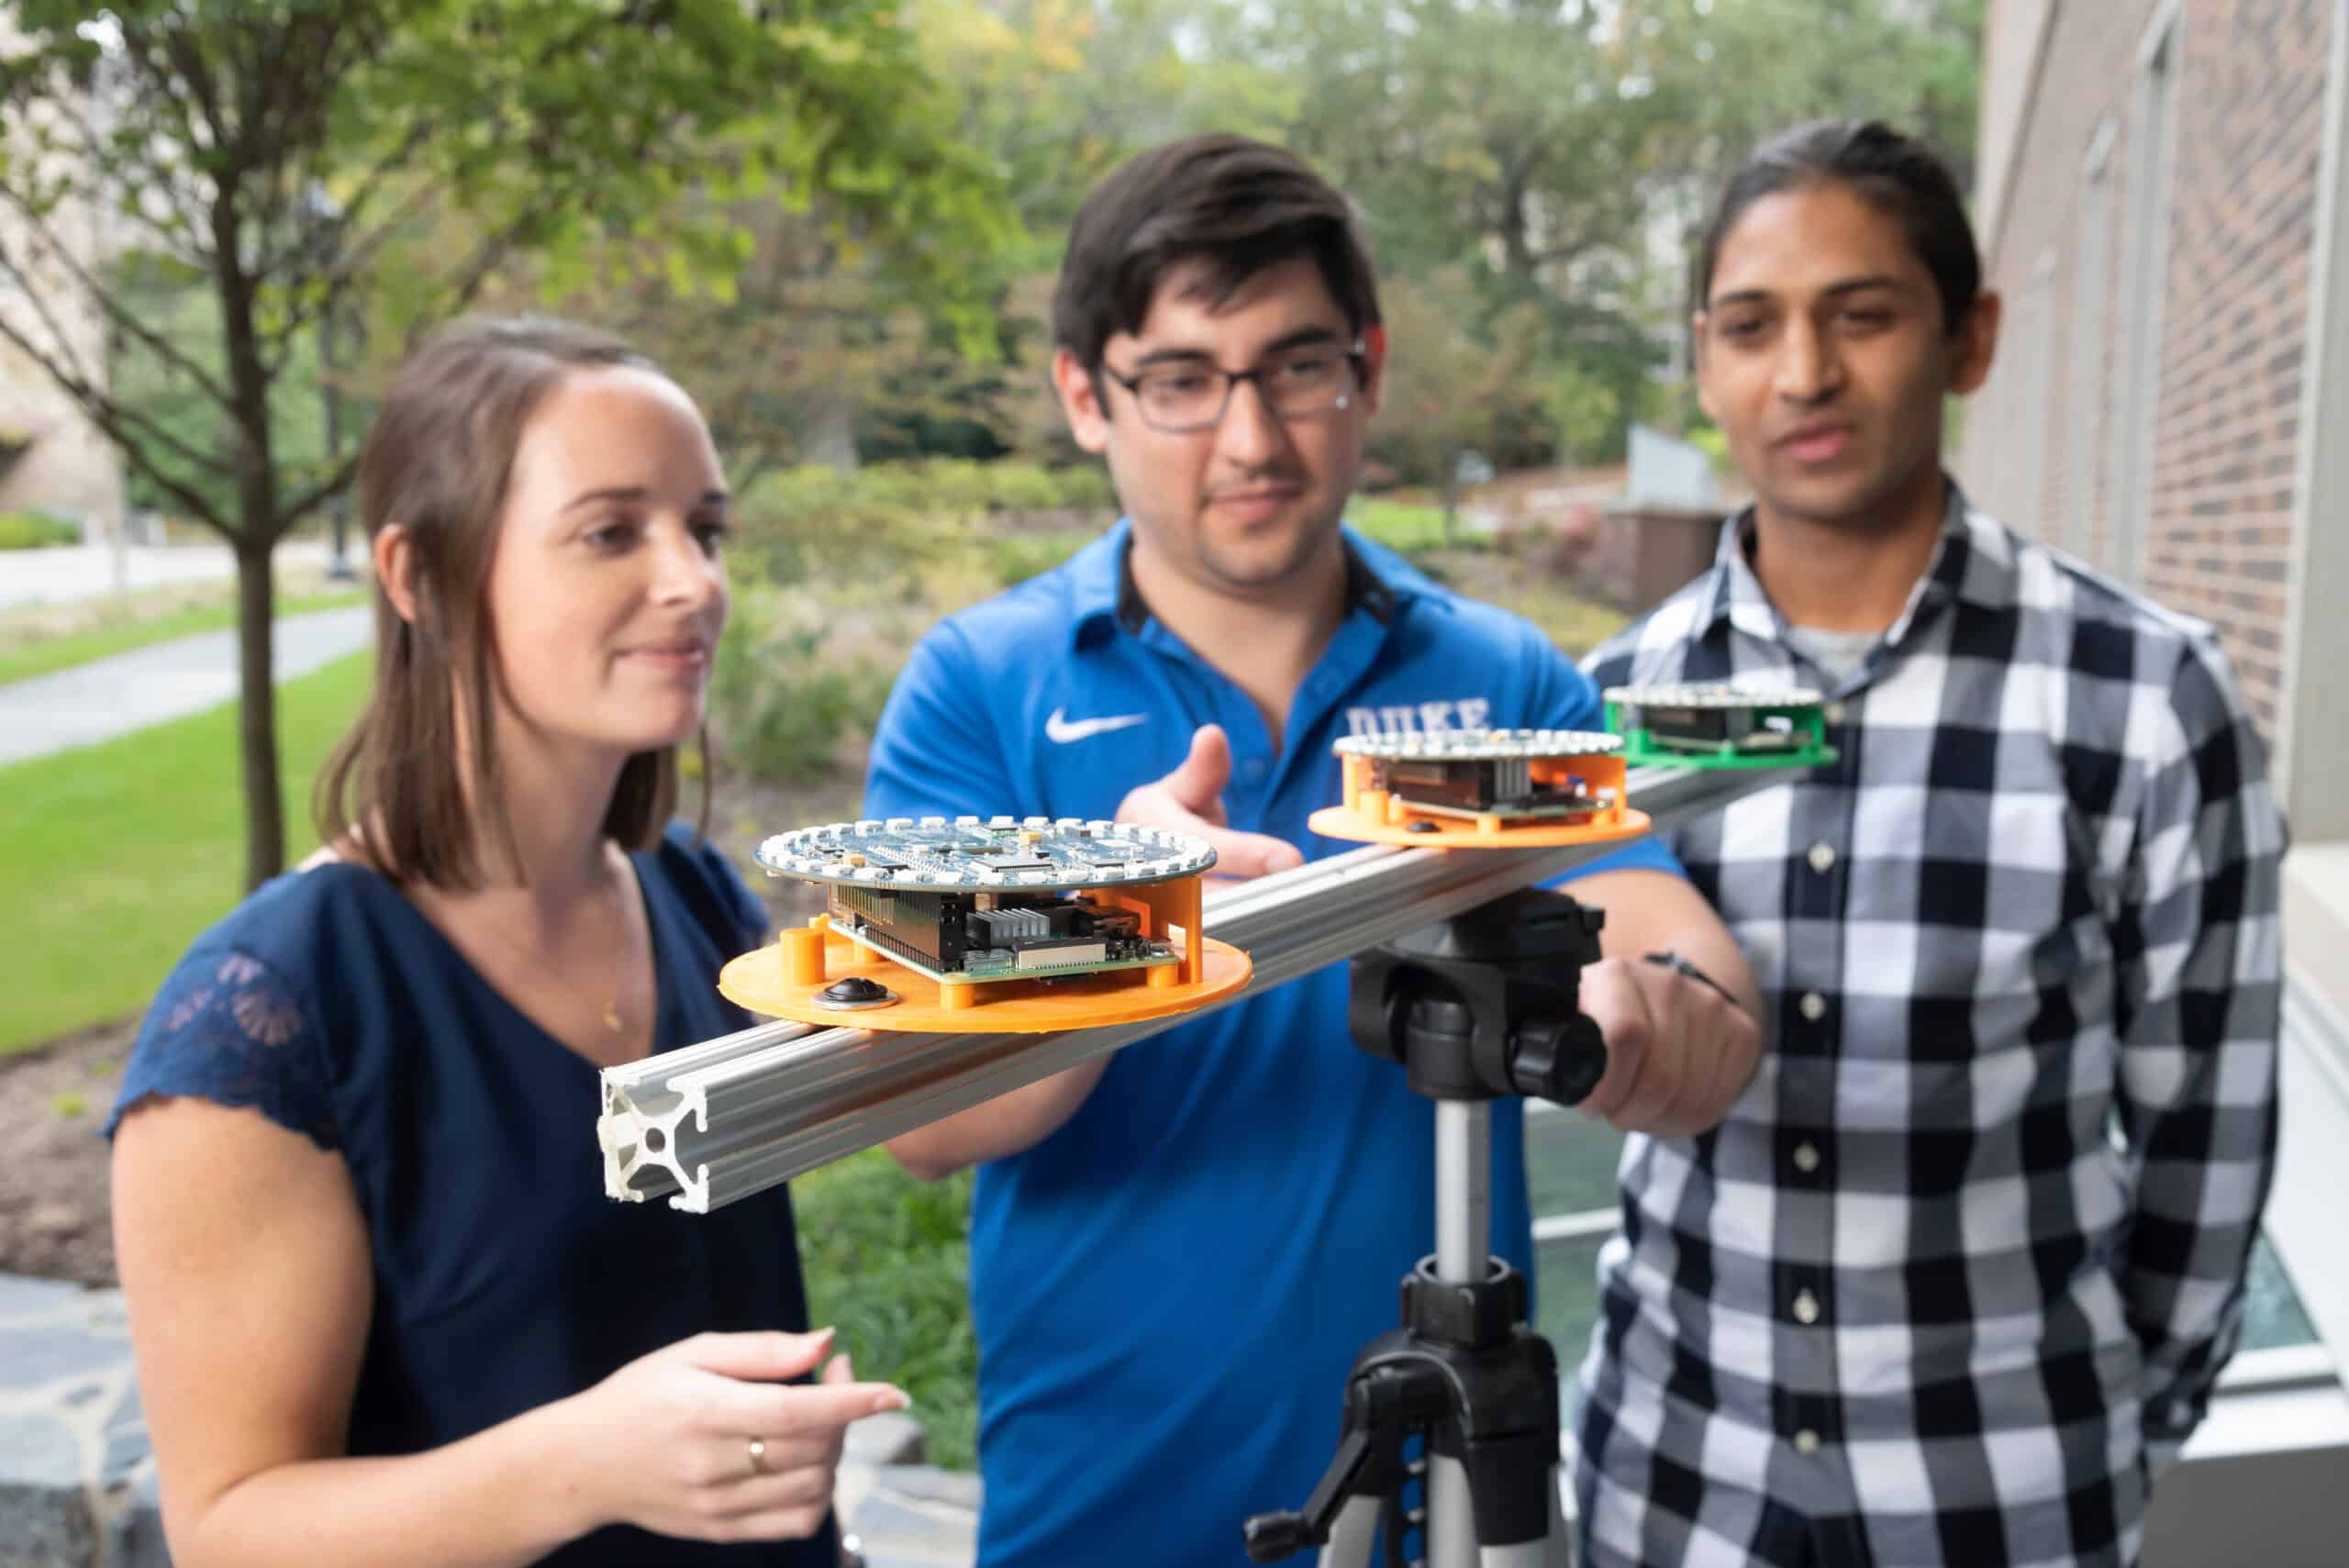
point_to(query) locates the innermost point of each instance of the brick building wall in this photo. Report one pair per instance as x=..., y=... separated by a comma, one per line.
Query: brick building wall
x=2048, y=444
x=66, y=464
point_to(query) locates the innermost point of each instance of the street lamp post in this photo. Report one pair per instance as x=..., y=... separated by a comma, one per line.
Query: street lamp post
x=331, y=389
x=325, y=212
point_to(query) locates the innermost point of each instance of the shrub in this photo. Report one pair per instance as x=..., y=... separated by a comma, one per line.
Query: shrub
x=812, y=524
x=1024, y=487
x=36, y=530
x=783, y=703
x=1018, y=557
x=1407, y=527
x=961, y=489
x=837, y=571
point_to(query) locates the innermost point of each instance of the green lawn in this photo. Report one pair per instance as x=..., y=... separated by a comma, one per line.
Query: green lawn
x=22, y=657
x=1401, y=526
x=139, y=846
x=130, y=848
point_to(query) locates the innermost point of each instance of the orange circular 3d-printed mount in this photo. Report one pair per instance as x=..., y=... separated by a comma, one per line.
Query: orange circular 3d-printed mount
x=990, y=924
x=1470, y=789
x=783, y=978
x=1403, y=826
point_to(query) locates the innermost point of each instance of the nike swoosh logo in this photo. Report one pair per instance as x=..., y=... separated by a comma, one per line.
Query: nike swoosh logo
x=1062, y=729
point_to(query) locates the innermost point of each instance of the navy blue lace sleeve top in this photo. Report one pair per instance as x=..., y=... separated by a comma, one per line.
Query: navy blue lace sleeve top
x=503, y=1278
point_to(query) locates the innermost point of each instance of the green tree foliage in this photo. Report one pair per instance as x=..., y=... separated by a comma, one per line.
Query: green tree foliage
x=1550, y=161
x=814, y=346
x=1562, y=151
x=1914, y=63
x=386, y=158
x=828, y=354
x=1479, y=127
x=1059, y=92
x=1451, y=386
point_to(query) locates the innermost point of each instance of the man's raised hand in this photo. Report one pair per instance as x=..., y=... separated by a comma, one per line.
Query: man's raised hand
x=1190, y=800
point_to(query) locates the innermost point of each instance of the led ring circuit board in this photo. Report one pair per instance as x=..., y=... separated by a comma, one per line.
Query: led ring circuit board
x=1057, y=923
x=1719, y=725
x=999, y=898
x=1484, y=786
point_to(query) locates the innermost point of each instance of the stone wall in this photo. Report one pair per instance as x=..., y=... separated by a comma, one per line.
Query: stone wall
x=77, y=1487
x=66, y=465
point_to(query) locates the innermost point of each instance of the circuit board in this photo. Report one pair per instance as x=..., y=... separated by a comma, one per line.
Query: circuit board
x=1001, y=898
x=985, y=853
x=1713, y=724
x=1002, y=936
x=1479, y=745
x=1519, y=774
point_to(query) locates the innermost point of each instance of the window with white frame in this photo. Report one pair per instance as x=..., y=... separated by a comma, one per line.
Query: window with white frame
x=2152, y=135
x=1570, y=1163
x=2091, y=262
x=2305, y=1211
x=2026, y=504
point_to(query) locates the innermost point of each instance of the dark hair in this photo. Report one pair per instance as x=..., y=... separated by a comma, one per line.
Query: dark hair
x=1893, y=172
x=437, y=461
x=1238, y=206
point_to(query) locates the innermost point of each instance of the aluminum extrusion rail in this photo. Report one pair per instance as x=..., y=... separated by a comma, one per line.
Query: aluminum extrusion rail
x=713, y=1123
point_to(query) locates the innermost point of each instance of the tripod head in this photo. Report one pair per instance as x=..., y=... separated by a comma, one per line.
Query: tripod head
x=1482, y=1005
x=1478, y=1008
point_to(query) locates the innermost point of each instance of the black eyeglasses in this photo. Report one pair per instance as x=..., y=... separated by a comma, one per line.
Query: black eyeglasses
x=1180, y=398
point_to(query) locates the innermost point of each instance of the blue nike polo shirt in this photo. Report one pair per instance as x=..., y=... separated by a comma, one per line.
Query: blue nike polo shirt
x=1170, y=1290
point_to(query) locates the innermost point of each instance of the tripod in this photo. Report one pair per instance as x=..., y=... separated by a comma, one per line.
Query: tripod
x=1478, y=1007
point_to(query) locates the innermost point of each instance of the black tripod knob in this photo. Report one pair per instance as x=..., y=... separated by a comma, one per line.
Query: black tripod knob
x=1484, y=1005
x=1559, y=1057
x=1272, y=1537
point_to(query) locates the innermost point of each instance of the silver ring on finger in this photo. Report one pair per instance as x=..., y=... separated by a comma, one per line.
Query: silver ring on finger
x=758, y=1449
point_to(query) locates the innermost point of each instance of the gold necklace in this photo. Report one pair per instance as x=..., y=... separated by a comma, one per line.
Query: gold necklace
x=622, y=884
x=612, y=1019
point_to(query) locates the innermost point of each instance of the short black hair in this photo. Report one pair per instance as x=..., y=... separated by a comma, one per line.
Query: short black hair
x=1237, y=204
x=1893, y=172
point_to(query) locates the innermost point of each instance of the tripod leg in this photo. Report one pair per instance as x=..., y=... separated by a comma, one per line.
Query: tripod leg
x=1450, y=1512
x=1353, y=1537
x=1562, y=1535
x=1529, y=1554
x=1452, y=1515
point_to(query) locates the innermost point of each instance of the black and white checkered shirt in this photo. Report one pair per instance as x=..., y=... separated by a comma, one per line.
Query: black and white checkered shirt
x=1954, y=1278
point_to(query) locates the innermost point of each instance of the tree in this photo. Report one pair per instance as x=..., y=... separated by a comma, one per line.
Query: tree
x=1510, y=142
x=1060, y=91
x=1056, y=94
x=1518, y=131
x=1448, y=389
x=1916, y=64
x=826, y=353
x=1559, y=152
x=286, y=154
x=812, y=344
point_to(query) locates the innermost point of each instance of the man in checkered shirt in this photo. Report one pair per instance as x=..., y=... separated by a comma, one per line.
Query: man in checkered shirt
x=1952, y=1283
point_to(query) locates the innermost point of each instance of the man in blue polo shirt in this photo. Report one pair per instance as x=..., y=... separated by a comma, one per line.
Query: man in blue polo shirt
x=1176, y=1252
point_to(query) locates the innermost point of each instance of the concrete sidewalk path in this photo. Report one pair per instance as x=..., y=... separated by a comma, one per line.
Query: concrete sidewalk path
x=113, y=696
x=63, y=573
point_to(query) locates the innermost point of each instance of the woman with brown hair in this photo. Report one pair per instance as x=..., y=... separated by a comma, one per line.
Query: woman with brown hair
x=381, y=1309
